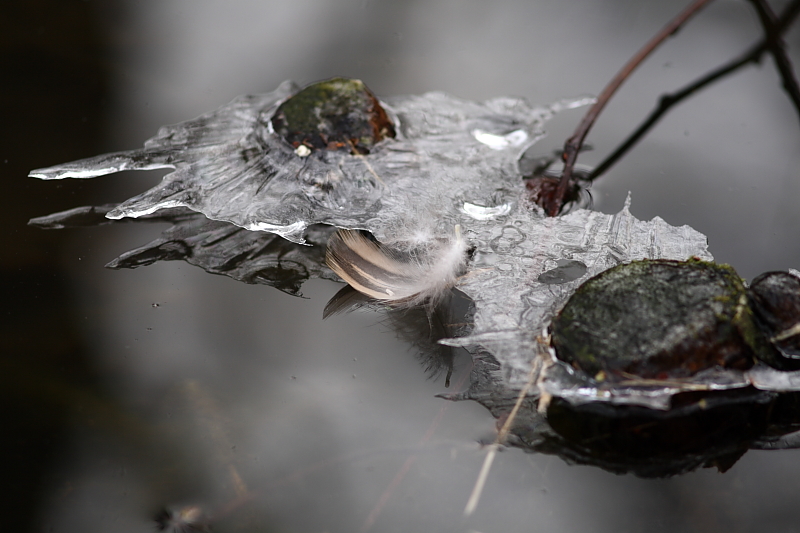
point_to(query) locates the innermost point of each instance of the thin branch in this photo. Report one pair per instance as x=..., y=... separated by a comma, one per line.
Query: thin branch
x=778, y=50
x=572, y=146
x=753, y=55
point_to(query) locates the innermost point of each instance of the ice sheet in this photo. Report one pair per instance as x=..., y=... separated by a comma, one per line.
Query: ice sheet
x=230, y=166
x=453, y=162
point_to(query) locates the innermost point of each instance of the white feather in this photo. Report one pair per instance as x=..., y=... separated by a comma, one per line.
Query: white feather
x=421, y=275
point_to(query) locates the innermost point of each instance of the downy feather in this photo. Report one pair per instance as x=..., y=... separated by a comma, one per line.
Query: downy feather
x=422, y=275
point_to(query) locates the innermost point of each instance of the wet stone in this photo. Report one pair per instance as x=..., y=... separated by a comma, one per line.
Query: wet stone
x=712, y=432
x=335, y=114
x=658, y=319
x=775, y=298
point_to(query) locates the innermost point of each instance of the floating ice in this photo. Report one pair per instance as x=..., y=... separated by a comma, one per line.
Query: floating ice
x=217, y=247
x=452, y=162
x=231, y=166
x=513, y=306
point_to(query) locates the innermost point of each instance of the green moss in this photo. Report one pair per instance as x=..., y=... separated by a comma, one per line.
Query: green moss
x=335, y=114
x=659, y=319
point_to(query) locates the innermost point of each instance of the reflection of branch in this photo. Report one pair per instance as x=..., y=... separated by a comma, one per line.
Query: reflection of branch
x=477, y=490
x=753, y=55
x=778, y=50
x=552, y=205
x=209, y=415
x=409, y=462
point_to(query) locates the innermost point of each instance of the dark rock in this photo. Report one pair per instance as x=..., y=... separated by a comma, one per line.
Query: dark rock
x=658, y=319
x=335, y=114
x=775, y=299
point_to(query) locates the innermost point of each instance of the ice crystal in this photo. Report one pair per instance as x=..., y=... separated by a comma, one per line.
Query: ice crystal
x=231, y=166
x=451, y=163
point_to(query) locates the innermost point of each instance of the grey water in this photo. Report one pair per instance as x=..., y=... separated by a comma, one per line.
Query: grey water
x=127, y=392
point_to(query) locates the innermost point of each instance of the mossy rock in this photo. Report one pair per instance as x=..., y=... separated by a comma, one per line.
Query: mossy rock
x=335, y=114
x=775, y=299
x=659, y=319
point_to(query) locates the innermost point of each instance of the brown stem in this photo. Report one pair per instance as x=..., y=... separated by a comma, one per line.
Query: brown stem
x=572, y=146
x=753, y=55
x=778, y=50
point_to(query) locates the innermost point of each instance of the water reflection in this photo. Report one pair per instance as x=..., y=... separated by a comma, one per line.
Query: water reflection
x=217, y=247
x=700, y=429
x=82, y=82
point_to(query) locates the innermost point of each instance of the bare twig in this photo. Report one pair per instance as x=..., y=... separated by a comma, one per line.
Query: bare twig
x=209, y=415
x=553, y=204
x=778, y=50
x=477, y=490
x=752, y=55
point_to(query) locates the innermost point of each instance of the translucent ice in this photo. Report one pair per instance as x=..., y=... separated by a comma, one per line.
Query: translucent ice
x=231, y=166
x=452, y=162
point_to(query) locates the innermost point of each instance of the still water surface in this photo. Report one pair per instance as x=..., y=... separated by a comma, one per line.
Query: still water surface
x=131, y=391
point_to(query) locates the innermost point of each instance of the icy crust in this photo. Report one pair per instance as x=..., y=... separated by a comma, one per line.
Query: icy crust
x=230, y=166
x=453, y=162
x=513, y=307
x=217, y=247
x=558, y=379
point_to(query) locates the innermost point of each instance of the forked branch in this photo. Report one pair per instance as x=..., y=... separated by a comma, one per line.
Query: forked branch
x=753, y=55
x=553, y=204
x=774, y=42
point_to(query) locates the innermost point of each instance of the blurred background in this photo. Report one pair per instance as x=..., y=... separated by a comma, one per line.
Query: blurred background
x=127, y=392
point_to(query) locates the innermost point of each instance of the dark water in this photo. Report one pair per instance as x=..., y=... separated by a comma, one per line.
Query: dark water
x=125, y=392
